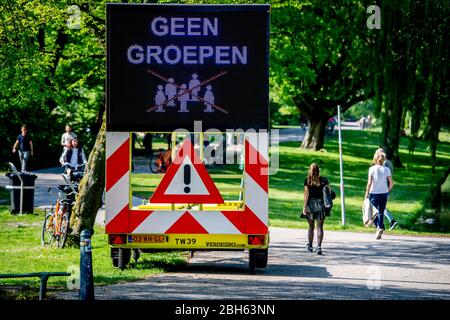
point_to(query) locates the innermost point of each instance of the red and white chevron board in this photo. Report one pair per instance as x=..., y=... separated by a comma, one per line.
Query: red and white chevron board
x=121, y=218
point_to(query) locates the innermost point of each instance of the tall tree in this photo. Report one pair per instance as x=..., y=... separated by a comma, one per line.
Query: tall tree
x=50, y=74
x=439, y=22
x=53, y=73
x=316, y=60
x=410, y=69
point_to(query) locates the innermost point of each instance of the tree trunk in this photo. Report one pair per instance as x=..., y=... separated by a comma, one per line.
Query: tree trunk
x=91, y=188
x=391, y=128
x=416, y=115
x=434, y=121
x=315, y=137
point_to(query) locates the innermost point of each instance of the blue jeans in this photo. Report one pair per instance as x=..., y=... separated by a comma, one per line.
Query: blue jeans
x=379, y=201
x=24, y=155
x=388, y=215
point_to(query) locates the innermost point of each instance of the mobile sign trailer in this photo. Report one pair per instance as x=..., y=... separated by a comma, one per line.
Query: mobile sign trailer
x=168, y=66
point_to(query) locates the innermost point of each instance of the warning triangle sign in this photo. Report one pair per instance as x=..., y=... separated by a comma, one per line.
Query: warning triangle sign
x=186, y=180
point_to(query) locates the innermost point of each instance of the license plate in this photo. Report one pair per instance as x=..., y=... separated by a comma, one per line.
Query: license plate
x=151, y=238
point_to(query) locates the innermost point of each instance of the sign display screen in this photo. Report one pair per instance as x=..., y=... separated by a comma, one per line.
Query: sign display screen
x=171, y=65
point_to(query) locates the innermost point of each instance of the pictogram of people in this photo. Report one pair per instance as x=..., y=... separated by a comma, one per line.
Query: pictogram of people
x=183, y=98
x=171, y=94
x=170, y=91
x=208, y=99
x=160, y=98
x=194, y=83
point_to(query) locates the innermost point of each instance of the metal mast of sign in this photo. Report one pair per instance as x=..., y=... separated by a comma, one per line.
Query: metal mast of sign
x=341, y=169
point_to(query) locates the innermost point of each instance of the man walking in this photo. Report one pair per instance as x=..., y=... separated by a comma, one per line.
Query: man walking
x=25, y=147
x=67, y=137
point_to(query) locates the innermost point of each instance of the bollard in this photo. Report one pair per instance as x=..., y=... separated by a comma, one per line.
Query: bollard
x=86, y=277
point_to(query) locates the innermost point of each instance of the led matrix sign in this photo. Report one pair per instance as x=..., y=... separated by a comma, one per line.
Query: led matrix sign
x=169, y=65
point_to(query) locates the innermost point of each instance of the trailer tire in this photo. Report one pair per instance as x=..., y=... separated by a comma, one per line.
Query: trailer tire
x=252, y=261
x=257, y=258
x=123, y=258
x=262, y=255
x=135, y=254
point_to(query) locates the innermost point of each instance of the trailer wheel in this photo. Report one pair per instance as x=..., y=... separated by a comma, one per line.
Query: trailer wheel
x=115, y=257
x=123, y=258
x=135, y=254
x=252, y=261
x=262, y=255
x=257, y=258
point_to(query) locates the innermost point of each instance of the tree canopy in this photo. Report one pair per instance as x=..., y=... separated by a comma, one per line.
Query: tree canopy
x=52, y=73
x=410, y=70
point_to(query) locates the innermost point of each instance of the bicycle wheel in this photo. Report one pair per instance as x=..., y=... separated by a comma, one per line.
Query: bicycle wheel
x=64, y=228
x=155, y=164
x=48, y=230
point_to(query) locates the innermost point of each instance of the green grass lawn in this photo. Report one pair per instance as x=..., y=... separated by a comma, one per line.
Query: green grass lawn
x=21, y=252
x=226, y=178
x=409, y=199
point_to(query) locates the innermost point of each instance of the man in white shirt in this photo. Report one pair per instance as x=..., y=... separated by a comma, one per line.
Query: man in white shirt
x=67, y=137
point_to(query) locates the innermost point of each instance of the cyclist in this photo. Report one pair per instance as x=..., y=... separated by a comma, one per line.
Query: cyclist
x=73, y=158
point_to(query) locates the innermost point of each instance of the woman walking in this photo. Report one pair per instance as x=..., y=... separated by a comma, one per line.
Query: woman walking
x=377, y=189
x=314, y=207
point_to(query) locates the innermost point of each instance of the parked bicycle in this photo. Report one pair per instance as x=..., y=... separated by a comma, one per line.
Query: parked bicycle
x=160, y=161
x=57, y=219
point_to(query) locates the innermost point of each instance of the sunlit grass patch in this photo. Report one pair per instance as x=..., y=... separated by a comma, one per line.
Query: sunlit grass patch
x=21, y=252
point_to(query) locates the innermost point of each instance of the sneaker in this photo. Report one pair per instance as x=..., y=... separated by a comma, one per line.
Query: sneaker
x=393, y=225
x=309, y=247
x=379, y=233
x=319, y=251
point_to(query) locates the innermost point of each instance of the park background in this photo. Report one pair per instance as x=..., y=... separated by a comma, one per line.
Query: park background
x=322, y=54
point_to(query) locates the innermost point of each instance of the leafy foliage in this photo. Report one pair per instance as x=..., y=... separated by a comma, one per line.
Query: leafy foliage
x=51, y=74
x=321, y=54
x=411, y=70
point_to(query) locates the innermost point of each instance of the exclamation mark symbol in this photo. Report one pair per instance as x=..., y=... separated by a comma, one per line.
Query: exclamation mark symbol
x=187, y=177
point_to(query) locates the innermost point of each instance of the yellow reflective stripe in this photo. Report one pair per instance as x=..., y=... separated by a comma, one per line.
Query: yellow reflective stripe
x=198, y=241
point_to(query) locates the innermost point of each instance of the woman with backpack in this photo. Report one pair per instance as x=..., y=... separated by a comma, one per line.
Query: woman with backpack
x=315, y=207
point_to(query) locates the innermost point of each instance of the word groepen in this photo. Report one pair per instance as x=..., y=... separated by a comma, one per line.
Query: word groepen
x=196, y=29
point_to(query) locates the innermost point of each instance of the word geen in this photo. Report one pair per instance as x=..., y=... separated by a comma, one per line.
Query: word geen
x=172, y=54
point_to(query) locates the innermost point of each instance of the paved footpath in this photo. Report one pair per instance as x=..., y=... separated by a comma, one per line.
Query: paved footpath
x=354, y=266
x=50, y=179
